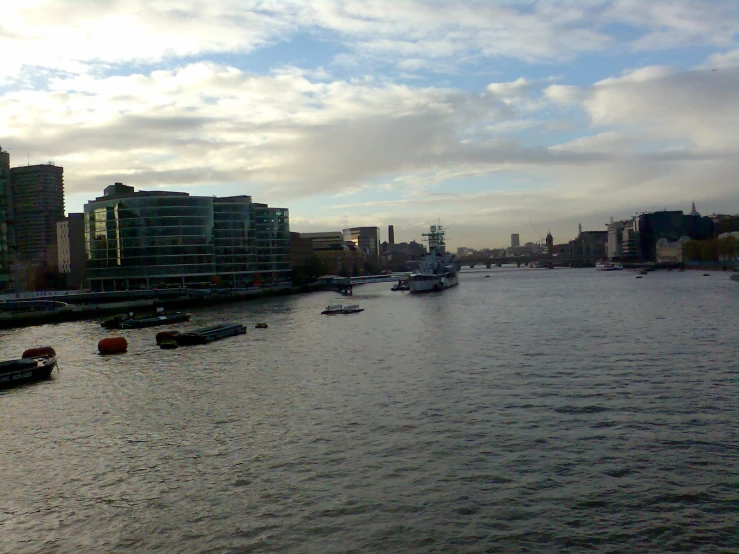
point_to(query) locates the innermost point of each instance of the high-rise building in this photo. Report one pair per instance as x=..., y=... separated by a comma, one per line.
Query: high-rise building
x=515, y=240
x=7, y=244
x=367, y=239
x=38, y=204
x=70, y=242
x=150, y=239
x=390, y=234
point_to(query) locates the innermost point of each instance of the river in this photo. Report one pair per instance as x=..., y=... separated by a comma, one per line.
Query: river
x=531, y=411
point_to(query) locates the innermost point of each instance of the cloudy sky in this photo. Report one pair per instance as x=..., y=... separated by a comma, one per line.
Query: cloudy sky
x=493, y=117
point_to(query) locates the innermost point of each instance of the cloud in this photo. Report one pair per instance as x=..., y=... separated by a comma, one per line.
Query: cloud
x=72, y=37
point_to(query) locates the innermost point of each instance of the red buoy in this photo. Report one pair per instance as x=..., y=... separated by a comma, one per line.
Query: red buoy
x=39, y=352
x=163, y=336
x=112, y=345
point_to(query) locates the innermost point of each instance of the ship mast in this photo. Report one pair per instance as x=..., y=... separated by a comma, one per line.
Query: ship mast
x=435, y=238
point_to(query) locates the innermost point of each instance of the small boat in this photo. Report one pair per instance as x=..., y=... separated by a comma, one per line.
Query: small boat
x=333, y=309
x=734, y=276
x=127, y=321
x=261, y=326
x=643, y=272
x=353, y=309
x=35, y=364
x=487, y=276
x=209, y=334
x=605, y=265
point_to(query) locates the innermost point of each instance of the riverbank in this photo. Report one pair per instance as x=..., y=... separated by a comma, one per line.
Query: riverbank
x=88, y=310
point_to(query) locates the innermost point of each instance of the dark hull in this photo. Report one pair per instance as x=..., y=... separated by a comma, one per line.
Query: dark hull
x=119, y=322
x=42, y=371
x=154, y=321
x=209, y=334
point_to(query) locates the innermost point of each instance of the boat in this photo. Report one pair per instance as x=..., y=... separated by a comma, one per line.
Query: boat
x=333, y=309
x=128, y=321
x=734, y=276
x=353, y=309
x=605, y=265
x=208, y=334
x=438, y=270
x=34, y=365
x=400, y=285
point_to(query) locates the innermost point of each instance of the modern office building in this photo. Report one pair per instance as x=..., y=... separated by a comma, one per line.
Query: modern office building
x=390, y=234
x=515, y=240
x=38, y=204
x=7, y=244
x=324, y=239
x=150, y=239
x=273, y=243
x=70, y=244
x=367, y=239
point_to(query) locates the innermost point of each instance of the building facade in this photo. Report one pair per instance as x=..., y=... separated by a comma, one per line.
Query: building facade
x=366, y=239
x=38, y=204
x=150, y=239
x=515, y=240
x=273, y=243
x=70, y=244
x=324, y=239
x=7, y=243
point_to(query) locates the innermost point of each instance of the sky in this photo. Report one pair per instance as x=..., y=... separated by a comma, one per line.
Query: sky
x=490, y=117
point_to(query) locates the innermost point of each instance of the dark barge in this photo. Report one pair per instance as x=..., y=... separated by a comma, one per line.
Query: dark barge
x=130, y=322
x=208, y=334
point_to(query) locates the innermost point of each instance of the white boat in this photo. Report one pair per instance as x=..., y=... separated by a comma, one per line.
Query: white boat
x=607, y=266
x=437, y=270
x=353, y=309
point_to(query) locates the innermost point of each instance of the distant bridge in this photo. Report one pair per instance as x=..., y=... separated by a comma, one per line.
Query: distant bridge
x=559, y=260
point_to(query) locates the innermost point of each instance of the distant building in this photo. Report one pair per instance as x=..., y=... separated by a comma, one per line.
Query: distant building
x=401, y=256
x=515, y=240
x=367, y=239
x=590, y=246
x=7, y=244
x=549, y=244
x=670, y=252
x=38, y=204
x=639, y=235
x=70, y=241
x=390, y=234
x=614, y=249
x=150, y=239
x=342, y=259
x=301, y=250
x=322, y=239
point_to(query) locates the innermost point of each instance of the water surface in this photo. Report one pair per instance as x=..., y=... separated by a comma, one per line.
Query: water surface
x=530, y=411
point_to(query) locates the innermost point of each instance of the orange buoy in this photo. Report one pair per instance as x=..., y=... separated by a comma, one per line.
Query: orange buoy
x=112, y=345
x=39, y=351
x=163, y=336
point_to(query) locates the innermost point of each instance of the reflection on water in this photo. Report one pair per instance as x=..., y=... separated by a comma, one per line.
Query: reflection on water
x=540, y=410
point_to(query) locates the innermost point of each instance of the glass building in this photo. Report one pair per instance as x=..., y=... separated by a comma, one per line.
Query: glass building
x=273, y=243
x=367, y=239
x=158, y=239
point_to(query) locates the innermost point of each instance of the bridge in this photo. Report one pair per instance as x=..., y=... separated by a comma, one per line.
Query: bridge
x=567, y=260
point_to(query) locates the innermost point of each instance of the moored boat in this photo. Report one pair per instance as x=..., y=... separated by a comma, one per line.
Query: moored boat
x=437, y=270
x=333, y=309
x=35, y=364
x=353, y=309
x=128, y=321
x=605, y=265
x=209, y=334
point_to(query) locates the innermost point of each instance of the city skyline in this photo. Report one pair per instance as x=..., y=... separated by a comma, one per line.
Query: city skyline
x=493, y=118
